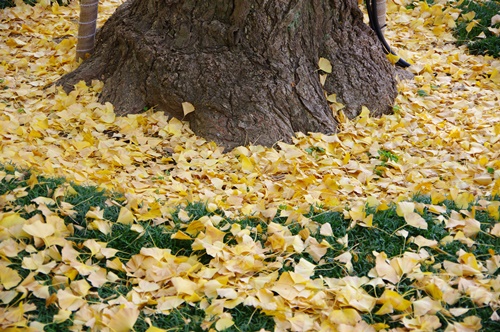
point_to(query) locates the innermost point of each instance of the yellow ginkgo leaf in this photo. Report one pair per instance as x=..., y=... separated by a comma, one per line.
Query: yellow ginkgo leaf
x=187, y=108
x=124, y=319
x=415, y=220
x=8, y=277
x=346, y=316
x=184, y=286
x=393, y=58
x=246, y=164
x=495, y=231
x=39, y=229
x=179, y=235
x=325, y=65
x=304, y=268
x=69, y=301
x=224, y=322
x=396, y=300
x=326, y=229
x=155, y=329
x=469, y=16
x=471, y=26
x=404, y=208
x=125, y=216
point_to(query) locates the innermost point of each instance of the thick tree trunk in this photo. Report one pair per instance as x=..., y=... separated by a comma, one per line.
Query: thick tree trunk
x=250, y=67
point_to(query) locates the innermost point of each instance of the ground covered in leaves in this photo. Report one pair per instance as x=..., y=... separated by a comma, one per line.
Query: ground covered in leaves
x=391, y=224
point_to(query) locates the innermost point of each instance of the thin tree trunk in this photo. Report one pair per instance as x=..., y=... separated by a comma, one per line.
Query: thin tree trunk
x=87, y=28
x=381, y=13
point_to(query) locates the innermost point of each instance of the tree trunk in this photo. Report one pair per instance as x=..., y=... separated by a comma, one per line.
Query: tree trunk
x=249, y=67
x=87, y=28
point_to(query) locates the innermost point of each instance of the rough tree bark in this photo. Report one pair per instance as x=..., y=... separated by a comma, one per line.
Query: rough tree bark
x=250, y=67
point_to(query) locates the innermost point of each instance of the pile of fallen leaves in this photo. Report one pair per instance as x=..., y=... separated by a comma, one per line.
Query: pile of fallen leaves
x=443, y=140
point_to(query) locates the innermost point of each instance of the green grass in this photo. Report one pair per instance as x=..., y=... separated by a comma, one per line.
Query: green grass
x=484, y=10
x=362, y=243
x=382, y=238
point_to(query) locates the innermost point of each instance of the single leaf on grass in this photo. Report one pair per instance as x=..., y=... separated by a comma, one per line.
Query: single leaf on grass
x=405, y=209
x=102, y=225
x=125, y=216
x=346, y=258
x=44, y=201
x=304, y=268
x=224, y=322
x=495, y=31
x=155, y=329
x=495, y=19
x=317, y=250
x=495, y=231
x=138, y=228
x=469, y=16
x=421, y=241
x=180, y=235
x=95, y=213
x=470, y=26
x=326, y=229
x=415, y=220
x=458, y=311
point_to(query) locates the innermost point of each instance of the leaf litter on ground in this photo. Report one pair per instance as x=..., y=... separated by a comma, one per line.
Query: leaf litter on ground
x=443, y=141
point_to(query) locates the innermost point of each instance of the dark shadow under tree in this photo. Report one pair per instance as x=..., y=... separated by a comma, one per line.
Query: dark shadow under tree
x=250, y=67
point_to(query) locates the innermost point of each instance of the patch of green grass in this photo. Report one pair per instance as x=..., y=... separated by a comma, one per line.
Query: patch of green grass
x=189, y=319
x=384, y=156
x=183, y=319
x=249, y=319
x=362, y=242
x=485, y=10
x=14, y=178
x=87, y=197
x=45, y=314
x=483, y=312
x=110, y=292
